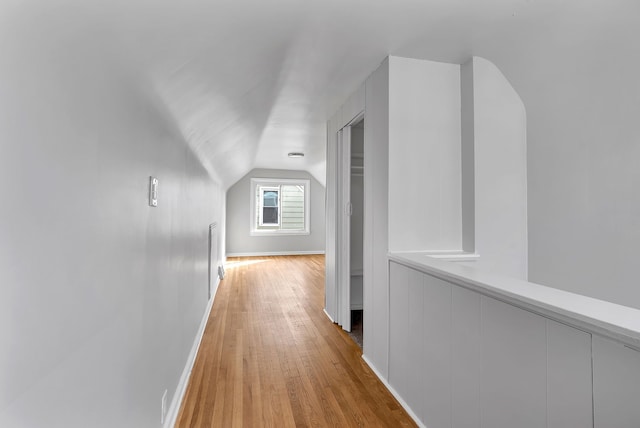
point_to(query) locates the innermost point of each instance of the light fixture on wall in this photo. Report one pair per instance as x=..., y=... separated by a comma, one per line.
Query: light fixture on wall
x=295, y=155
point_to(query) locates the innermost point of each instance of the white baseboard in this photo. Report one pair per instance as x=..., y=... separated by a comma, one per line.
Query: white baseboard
x=328, y=316
x=172, y=413
x=275, y=253
x=393, y=392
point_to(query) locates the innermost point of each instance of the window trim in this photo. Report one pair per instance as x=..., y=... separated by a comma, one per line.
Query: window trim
x=277, y=182
x=277, y=206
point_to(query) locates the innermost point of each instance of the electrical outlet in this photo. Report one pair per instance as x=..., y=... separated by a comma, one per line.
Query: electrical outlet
x=164, y=407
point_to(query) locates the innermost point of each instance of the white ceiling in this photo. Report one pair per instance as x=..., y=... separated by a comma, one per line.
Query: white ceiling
x=249, y=81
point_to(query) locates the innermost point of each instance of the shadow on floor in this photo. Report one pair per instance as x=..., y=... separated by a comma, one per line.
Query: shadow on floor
x=356, y=327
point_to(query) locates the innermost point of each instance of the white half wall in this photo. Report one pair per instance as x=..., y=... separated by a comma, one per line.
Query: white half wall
x=101, y=295
x=239, y=240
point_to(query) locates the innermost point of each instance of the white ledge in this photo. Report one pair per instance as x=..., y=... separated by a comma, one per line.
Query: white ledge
x=448, y=255
x=611, y=320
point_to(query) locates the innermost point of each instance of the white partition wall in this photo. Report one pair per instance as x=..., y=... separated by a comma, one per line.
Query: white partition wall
x=399, y=337
x=331, y=218
x=512, y=366
x=471, y=349
x=465, y=357
x=569, y=379
x=499, y=171
x=616, y=384
x=352, y=108
x=458, y=358
x=376, y=220
x=419, y=175
x=424, y=155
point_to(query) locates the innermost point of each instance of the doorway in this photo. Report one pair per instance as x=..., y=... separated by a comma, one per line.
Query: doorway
x=350, y=186
x=356, y=230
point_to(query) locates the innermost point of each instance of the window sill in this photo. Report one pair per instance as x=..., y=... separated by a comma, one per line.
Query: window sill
x=278, y=233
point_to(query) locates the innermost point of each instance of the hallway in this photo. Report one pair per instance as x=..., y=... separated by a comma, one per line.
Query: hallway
x=270, y=357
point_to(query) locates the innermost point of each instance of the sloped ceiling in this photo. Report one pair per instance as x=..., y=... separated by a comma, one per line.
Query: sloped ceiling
x=249, y=81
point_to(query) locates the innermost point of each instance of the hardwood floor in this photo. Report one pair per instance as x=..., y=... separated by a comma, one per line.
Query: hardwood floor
x=270, y=356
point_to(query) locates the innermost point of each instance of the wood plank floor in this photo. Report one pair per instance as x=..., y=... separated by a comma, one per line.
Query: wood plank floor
x=270, y=357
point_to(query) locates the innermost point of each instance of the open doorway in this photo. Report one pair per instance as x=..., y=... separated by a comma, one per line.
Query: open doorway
x=349, y=228
x=356, y=230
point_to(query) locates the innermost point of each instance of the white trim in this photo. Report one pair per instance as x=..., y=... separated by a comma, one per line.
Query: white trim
x=261, y=206
x=447, y=255
x=275, y=253
x=172, y=413
x=277, y=232
x=343, y=313
x=393, y=392
x=357, y=118
x=328, y=316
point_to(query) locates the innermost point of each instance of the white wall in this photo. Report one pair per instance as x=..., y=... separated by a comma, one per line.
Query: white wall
x=500, y=172
x=239, y=240
x=581, y=94
x=331, y=219
x=100, y=295
x=424, y=155
x=376, y=220
x=467, y=153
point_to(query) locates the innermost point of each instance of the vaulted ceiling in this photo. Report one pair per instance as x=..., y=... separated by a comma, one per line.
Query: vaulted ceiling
x=249, y=81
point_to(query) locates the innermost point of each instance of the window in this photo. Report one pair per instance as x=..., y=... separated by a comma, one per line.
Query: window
x=279, y=206
x=269, y=206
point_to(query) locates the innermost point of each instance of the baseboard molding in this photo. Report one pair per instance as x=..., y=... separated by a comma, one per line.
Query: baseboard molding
x=328, y=316
x=393, y=392
x=275, y=253
x=172, y=413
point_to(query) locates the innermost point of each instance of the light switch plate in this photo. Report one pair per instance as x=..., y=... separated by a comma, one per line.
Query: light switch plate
x=153, y=192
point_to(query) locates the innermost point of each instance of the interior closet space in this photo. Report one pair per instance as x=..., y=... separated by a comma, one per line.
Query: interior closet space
x=356, y=229
x=357, y=212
